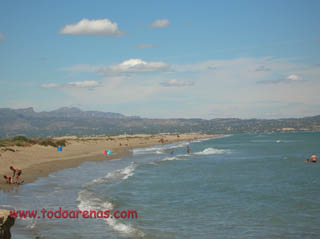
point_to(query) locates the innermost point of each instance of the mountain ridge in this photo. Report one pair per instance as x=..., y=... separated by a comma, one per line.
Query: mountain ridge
x=74, y=121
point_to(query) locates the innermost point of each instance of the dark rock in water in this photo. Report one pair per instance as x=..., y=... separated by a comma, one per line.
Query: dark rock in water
x=6, y=222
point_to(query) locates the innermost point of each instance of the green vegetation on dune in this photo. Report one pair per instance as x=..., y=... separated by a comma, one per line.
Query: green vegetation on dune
x=24, y=142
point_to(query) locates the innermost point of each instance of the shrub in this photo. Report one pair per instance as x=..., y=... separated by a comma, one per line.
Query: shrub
x=20, y=138
x=24, y=141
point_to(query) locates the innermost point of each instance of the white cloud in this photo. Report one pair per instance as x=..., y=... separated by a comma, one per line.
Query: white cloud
x=2, y=36
x=138, y=65
x=103, y=27
x=161, y=23
x=294, y=78
x=226, y=86
x=49, y=85
x=83, y=84
x=289, y=79
x=128, y=66
x=176, y=83
x=75, y=84
x=144, y=46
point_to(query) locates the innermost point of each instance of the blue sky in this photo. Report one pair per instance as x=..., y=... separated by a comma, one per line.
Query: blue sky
x=207, y=59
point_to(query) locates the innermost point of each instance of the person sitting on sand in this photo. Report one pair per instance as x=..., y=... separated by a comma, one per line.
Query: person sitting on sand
x=8, y=179
x=16, y=171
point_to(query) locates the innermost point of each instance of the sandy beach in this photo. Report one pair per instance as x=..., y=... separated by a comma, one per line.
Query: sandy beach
x=39, y=161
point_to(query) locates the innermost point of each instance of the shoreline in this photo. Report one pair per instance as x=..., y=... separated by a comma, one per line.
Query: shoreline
x=39, y=161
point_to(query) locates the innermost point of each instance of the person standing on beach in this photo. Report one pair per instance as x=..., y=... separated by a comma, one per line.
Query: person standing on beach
x=188, y=149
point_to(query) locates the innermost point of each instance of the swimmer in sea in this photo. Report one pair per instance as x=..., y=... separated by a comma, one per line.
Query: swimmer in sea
x=313, y=158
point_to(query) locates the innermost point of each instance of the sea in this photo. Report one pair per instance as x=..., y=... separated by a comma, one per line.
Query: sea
x=236, y=186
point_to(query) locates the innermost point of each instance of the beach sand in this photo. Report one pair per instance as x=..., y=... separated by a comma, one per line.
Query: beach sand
x=39, y=161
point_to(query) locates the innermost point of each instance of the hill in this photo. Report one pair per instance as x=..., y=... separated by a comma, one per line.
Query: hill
x=73, y=121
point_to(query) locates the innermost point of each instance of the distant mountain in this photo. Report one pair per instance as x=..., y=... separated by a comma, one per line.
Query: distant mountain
x=64, y=112
x=73, y=121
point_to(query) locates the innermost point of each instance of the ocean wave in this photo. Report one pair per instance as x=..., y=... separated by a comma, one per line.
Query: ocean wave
x=177, y=157
x=32, y=224
x=209, y=151
x=179, y=145
x=89, y=200
x=122, y=173
x=124, y=228
x=285, y=141
x=169, y=158
x=146, y=150
x=160, y=148
x=6, y=206
x=200, y=140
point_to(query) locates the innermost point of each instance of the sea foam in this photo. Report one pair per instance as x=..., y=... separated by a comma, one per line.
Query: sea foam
x=209, y=151
x=122, y=173
x=89, y=200
x=159, y=149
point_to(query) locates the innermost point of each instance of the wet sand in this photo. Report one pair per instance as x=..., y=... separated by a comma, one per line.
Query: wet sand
x=39, y=161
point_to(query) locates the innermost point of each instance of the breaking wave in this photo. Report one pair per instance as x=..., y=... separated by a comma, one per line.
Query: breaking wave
x=159, y=149
x=209, y=151
x=120, y=174
x=90, y=200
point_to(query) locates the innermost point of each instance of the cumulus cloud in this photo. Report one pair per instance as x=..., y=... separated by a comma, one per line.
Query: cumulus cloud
x=102, y=27
x=75, y=84
x=128, y=66
x=177, y=83
x=160, y=23
x=2, y=36
x=145, y=46
x=49, y=85
x=294, y=78
x=289, y=79
x=138, y=65
x=230, y=88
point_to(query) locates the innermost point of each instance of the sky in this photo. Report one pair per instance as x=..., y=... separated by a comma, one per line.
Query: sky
x=162, y=59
